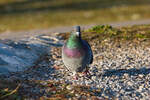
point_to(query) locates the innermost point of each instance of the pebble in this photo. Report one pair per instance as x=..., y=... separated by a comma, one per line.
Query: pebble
x=72, y=92
x=93, y=77
x=122, y=73
x=140, y=88
x=54, y=92
x=69, y=87
x=126, y=75
x=141, y=75
x=130, y=83
x=77, y=95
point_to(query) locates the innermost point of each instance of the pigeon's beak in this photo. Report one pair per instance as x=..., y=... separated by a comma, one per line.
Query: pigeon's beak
x=78, y=34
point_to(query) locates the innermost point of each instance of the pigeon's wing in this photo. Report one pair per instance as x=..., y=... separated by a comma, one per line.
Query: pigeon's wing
x=91, y=61
x=62, y=50
x=90, y=51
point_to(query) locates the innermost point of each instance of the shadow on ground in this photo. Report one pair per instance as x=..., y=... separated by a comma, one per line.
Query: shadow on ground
x=130, y=72
x=18, y=55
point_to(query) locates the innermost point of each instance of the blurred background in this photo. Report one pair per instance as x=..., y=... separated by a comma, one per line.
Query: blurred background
x=19, y=15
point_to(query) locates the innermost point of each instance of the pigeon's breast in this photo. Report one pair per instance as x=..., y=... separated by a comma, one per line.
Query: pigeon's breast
x=74, y=53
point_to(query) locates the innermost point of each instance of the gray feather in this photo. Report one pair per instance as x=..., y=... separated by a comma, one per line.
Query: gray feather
x=78, y=64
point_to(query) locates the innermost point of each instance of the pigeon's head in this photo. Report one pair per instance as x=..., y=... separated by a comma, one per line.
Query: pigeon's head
x=75, y=38
x=77, y=31
x=76, y=34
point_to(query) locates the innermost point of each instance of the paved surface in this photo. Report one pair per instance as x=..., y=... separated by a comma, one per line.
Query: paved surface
x=19, y=35
x=18, y=55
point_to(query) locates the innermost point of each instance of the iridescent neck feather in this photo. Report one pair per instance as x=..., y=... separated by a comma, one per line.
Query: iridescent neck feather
x=74, y=41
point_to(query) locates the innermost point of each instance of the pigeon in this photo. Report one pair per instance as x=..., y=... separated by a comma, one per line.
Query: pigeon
x=77, y=53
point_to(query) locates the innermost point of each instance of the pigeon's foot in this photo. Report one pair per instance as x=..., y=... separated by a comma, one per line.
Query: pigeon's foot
x=75, y=76
x=58, y=67
x=86, y=73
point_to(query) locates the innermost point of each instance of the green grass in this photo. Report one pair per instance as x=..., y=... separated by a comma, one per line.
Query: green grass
x=18, y=15
x=103, y=32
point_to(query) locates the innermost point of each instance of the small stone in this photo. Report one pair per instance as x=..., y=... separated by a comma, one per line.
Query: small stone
x=84, y=97
x=69, y=99
x=69, y=87
x=141, y=75
x=141, y=88
x=46, y=75
x=54, y=92
x=77, y=95
x=44, y=83
x=72, y=92
x=54, y=56
x=126, y=75
x=130, y=83
x=93, y=77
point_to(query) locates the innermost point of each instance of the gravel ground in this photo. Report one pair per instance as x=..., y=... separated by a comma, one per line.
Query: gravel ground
x=120, y=71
